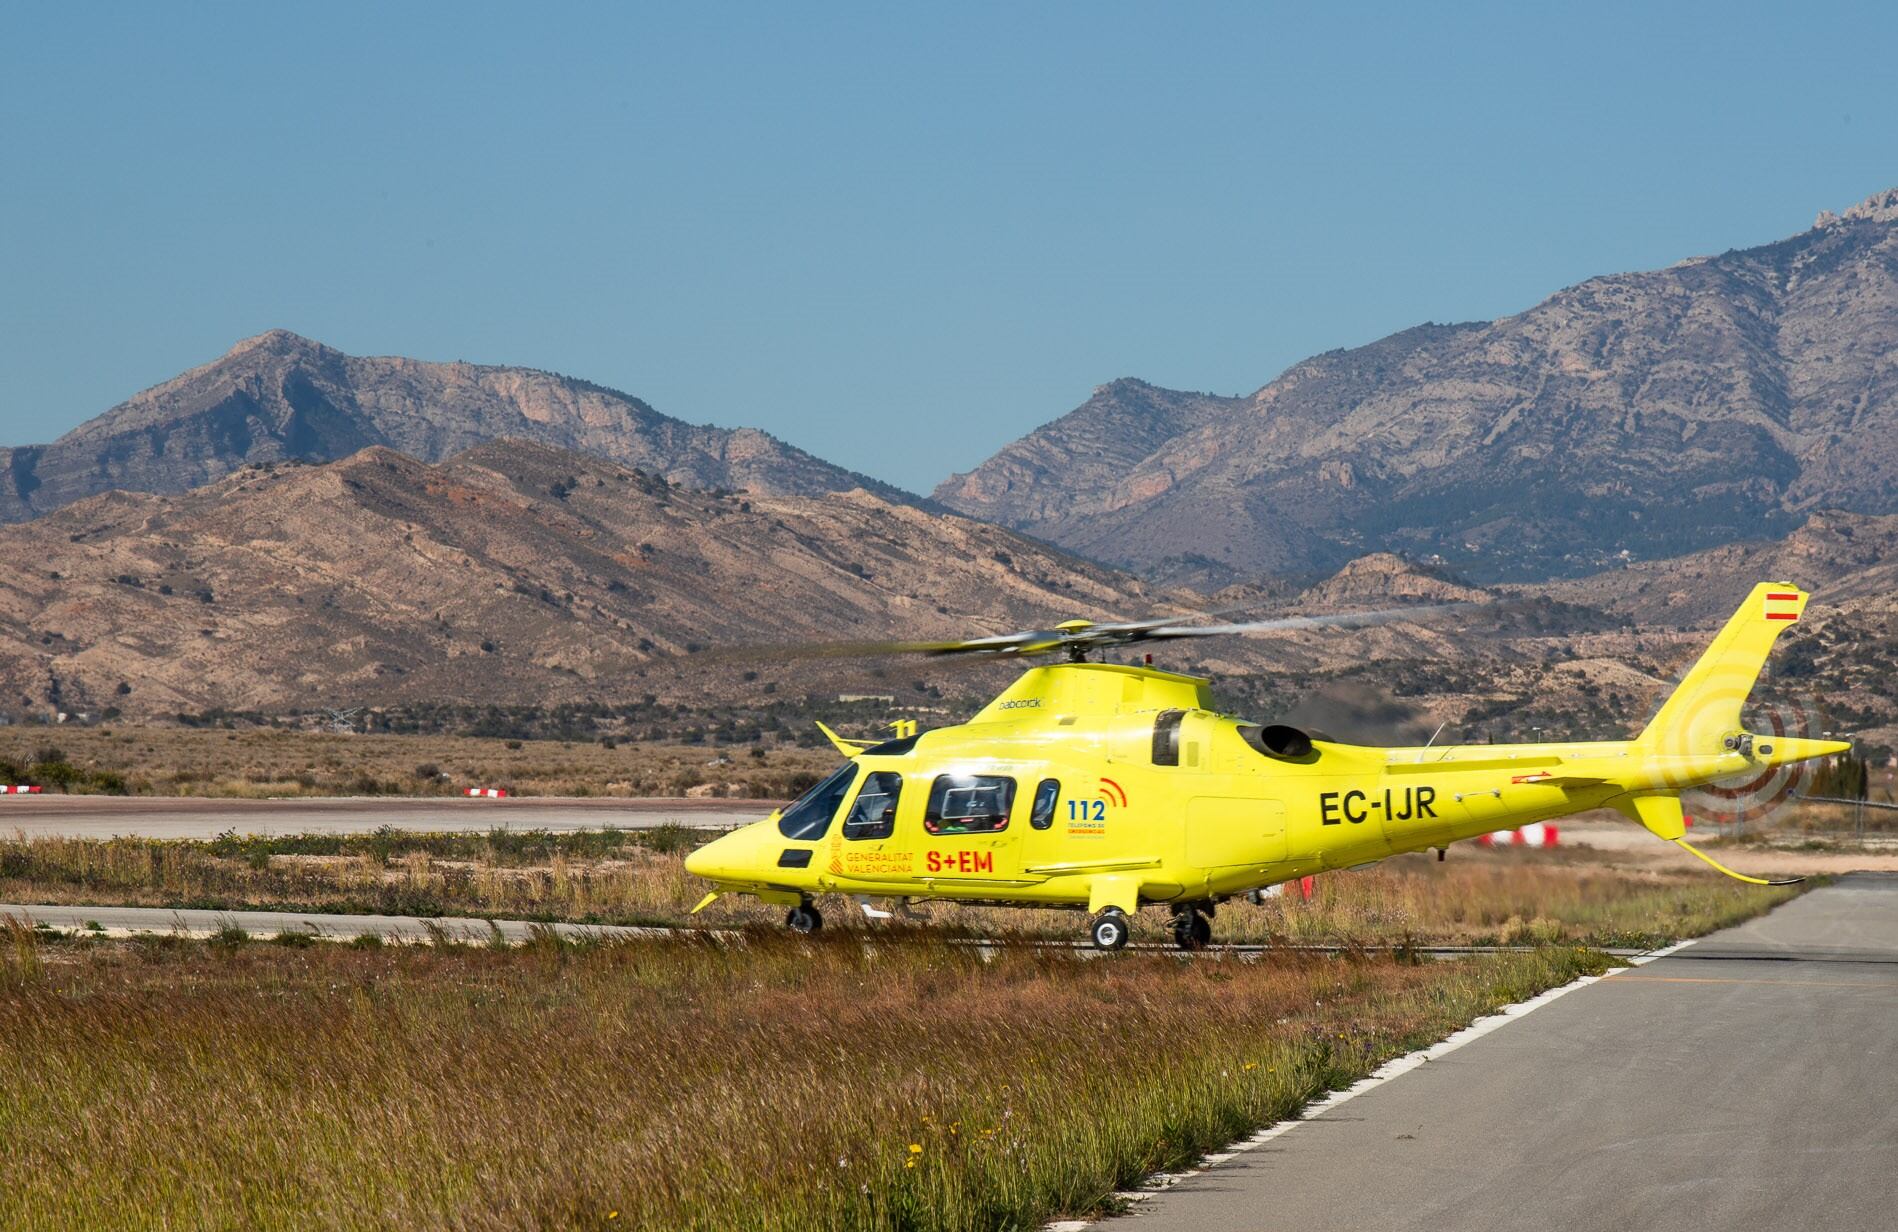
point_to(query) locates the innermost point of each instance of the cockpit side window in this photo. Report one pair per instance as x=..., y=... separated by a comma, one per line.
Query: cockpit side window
x=1166, y=737
x=809, y=815
x=969, y=804
x=1046, y=796
x=874, y=813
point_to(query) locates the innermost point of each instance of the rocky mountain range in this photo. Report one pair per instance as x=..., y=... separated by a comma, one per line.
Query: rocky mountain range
x=291, y=527
x=280, y=397
x=520, y=575
x=1848, y=561
x=512, y=573
x=1633, y=416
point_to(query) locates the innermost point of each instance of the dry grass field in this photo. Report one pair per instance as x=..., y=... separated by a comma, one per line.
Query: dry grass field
x=869, y=1078
x=776, y=1084
x=737, y=1078
x=257, y=762
x=638, y=877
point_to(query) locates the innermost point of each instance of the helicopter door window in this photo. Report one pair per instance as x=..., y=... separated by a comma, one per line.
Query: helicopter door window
x=1046, y=797
x=874, y=813
x=1166, y=737
x=969, y=804
x=809, y=815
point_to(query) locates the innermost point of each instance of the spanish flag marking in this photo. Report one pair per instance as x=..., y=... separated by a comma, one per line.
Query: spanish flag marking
x=1782, y=605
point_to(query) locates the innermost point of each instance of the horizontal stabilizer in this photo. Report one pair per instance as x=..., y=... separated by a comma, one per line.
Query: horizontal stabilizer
x=849, y=748
x=1660, y=812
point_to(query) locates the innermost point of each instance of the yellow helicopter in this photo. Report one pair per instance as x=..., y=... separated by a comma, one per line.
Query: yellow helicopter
x=1109, y=787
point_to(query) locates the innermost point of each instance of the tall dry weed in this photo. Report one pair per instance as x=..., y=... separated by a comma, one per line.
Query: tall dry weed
x=777, y=1084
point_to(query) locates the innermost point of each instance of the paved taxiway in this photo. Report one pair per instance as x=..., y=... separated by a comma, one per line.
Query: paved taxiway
x=1747, y=1081
x=174, y=817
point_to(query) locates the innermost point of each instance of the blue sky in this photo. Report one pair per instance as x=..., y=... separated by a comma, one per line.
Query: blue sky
x=896, y=236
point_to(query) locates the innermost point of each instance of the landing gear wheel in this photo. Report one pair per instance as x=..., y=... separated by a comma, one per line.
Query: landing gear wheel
x=805, y=919
x=1111, y=930
x=1192, y=931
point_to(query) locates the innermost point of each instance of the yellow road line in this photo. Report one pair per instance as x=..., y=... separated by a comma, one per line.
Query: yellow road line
x=1709, y=979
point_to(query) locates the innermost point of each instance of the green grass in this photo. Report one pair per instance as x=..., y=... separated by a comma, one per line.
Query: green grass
x=777, y=1085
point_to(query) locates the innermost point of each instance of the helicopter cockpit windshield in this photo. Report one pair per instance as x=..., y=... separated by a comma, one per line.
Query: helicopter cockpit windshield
x=808, y=817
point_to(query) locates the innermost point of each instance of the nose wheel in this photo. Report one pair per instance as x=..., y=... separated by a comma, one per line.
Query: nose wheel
x=804, y=918
x=1192, y=930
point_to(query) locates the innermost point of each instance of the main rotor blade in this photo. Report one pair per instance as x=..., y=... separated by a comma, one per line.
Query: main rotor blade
x=1031, y=642
x=829, y=650
x=1001, y=642
x=1337, y=620
x=1006, y=643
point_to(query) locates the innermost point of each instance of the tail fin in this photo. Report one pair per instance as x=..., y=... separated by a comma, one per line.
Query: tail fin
x=1704, y=709
x=1697, y=736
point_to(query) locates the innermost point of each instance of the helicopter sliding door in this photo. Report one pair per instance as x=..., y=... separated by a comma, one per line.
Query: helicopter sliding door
x=969, y=830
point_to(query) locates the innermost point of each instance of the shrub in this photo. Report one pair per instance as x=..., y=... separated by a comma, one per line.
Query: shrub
x=228, y=937
x=60, y=774
x=670, y=838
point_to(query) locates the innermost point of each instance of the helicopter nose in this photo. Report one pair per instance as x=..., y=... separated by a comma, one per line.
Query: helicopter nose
x=716, y=860
x=701, y=862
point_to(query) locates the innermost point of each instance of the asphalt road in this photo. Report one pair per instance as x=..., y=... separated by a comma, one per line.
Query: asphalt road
x=123, y=921
x=1744, y=1082
x=172, y=817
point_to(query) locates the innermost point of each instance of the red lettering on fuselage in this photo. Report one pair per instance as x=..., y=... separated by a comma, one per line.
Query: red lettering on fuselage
x=961, y=862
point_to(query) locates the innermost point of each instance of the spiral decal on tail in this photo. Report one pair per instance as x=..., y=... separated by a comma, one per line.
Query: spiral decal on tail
x=1694, y=721
x=1758, y=797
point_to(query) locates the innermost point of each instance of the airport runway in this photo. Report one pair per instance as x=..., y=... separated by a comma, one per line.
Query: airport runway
x=1745, y=1082
x=183, y=817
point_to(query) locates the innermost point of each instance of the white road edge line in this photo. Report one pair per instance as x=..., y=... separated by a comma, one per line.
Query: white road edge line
x=1160, y=1182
